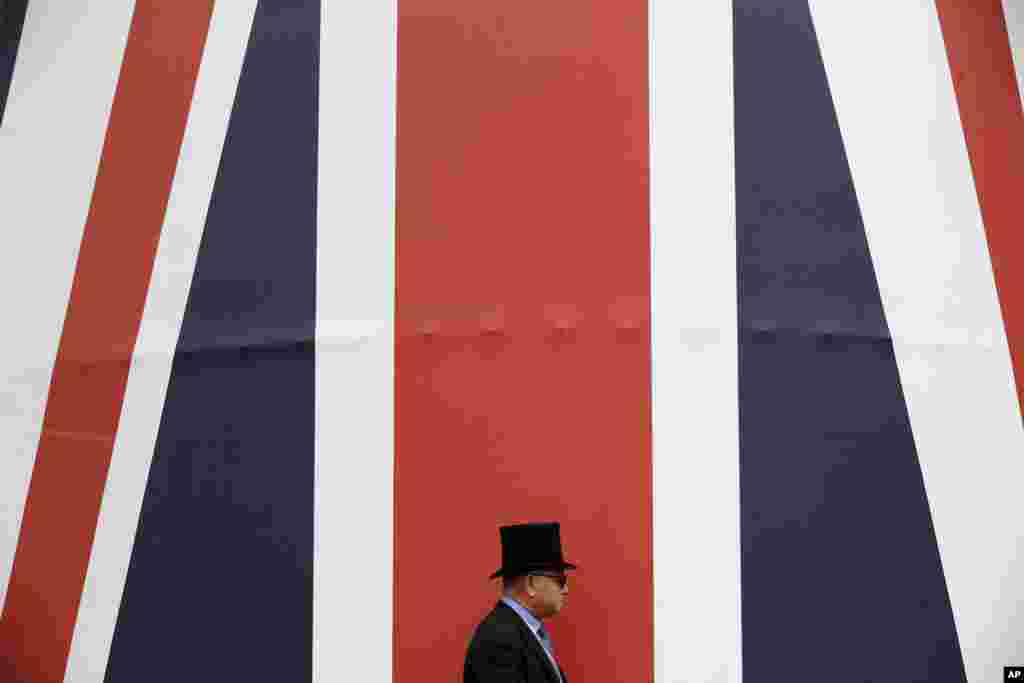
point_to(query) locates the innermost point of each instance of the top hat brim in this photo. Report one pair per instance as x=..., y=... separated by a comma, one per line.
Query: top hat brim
x=519, y=571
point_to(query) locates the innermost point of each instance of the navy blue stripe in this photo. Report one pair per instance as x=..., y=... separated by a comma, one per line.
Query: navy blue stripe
x=221, y=577
x=12, y=20
x=842, y=579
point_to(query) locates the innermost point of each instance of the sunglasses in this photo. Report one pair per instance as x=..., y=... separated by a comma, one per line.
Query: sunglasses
x=562, y=579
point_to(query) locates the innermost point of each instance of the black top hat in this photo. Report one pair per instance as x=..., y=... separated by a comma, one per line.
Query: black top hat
x=531, y=547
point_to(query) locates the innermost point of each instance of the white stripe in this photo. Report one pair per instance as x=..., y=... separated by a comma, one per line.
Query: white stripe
x=161, y=322
x=50, y=143
x=1013, y=10
x=355, y=343
x=695, y=373
x=898, y=113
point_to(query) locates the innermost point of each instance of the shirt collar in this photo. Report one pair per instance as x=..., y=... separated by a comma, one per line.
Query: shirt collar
x=527, y=616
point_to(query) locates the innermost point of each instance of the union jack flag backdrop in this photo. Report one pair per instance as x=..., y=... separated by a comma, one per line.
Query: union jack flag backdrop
x=303, y=299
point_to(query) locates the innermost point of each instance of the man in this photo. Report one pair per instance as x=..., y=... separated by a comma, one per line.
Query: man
x=511, y=644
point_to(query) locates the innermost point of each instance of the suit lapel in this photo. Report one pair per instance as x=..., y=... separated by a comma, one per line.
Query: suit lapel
x=538, y=651
x=533, y=645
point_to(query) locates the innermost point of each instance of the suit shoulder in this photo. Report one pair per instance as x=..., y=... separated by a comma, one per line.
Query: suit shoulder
x=499, y=626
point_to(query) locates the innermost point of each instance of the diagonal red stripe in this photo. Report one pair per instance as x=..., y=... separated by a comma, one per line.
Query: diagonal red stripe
x=981, y=63
x=143, y=141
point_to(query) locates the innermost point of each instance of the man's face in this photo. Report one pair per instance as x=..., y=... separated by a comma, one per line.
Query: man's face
x=550, y=595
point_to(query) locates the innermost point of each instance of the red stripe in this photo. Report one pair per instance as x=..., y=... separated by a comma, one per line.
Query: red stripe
x=981, y=62
x=523, y=346
x=141, y=149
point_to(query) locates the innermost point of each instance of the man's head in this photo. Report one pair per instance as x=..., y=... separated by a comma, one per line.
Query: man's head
x=533, y=568
x=544, y=593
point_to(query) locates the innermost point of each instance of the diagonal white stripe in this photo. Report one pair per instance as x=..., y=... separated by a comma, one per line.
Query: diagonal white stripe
x=1013, y=10
x=151, y=365
x=355, y=343
x=50, y=144
x=897, y=109
x=695, y=380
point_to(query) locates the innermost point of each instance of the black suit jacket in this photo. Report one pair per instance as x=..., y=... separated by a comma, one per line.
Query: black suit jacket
x=504, y=650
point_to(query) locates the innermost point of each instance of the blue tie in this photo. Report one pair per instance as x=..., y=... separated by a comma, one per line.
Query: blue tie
x=546, y=641
x=549, y=646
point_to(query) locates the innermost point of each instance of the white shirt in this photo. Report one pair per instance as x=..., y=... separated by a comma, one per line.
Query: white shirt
x=534, y=624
